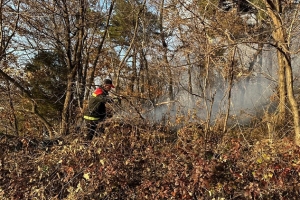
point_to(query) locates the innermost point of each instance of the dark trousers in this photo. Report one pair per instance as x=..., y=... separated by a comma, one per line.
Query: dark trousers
x=91, y=126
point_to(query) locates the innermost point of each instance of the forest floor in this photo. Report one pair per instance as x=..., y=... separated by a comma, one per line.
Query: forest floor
x=132, y=162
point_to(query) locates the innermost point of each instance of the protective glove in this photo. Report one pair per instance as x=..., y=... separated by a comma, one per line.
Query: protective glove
x=117, y=100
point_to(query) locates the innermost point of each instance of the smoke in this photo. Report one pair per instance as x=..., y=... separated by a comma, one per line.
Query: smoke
x=250, y=95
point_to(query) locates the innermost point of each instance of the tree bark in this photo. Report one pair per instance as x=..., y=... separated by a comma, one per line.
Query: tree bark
x=281, y=89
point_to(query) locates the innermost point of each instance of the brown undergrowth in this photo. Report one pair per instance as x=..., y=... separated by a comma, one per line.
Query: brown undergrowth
x=131, y=162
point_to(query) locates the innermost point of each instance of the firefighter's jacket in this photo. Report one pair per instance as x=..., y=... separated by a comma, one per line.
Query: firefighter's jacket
x=96, y=109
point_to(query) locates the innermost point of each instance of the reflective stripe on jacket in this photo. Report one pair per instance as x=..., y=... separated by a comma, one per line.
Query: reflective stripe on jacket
x=90, y=118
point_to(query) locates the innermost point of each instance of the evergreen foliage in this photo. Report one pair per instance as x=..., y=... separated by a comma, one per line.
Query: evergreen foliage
x=47, y=77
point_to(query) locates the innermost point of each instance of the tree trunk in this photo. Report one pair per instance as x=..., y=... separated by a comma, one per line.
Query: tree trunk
x=165, y=53
x=133, y=74
x=74, y=63
x=293, y=102
x=231, y=77
x=284, y=61
x=281, y=89
x=64, y=128
x=13, y=113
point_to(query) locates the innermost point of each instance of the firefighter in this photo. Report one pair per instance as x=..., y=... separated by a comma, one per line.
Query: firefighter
x=96, y=110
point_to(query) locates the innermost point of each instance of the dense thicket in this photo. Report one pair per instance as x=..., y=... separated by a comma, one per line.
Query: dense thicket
x=129, y=162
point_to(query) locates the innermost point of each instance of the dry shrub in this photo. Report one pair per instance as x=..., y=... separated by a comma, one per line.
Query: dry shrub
x=138, y=162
